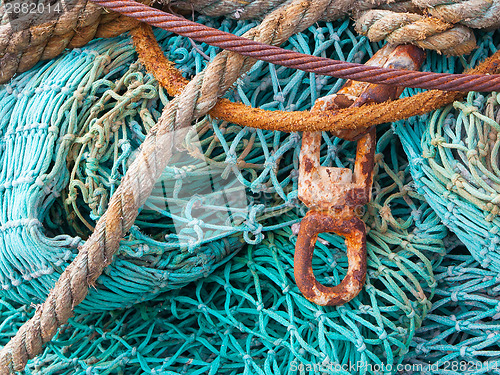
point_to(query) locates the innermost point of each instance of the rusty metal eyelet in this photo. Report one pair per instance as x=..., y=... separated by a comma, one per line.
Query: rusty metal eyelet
x=353, y=229
x=333, y=194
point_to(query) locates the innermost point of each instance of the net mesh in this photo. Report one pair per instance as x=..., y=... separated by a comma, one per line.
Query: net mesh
x=79, y=120
x=453, y=155
x=205, y=278
x=458, y=163
x=460, y=333
x=248, y=316
x=455, y=164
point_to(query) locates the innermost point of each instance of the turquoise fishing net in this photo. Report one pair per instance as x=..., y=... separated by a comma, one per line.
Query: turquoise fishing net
x=204, y=281
x=71, y=126
x=249, y=317
x=461, y=332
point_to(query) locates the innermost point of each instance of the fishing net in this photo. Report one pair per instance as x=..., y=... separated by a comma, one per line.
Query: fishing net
x=460, y=333
x=453, y=155
x=205, y=277
x=248, y=316
x=71, y=126
x=455, y=164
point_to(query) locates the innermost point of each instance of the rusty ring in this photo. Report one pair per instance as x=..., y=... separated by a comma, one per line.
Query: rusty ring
x=354, y=231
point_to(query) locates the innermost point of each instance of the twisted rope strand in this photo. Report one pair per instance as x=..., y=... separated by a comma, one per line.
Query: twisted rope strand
x=21, y=50
x=479, y=14
x=425, y=32
x=295, y=60
x=27, y=40
x=256, y=9
x=32, y=40
x=198, y=97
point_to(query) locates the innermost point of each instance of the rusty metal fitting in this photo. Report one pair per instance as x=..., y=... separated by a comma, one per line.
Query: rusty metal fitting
x=355, y=93
x=334, y=194
x=354, y=231
x=329, y=188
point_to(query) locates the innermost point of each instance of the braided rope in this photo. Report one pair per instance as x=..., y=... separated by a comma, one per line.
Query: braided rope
x=480, y=14
x=26, y=44
x=199, y=96
x=27, y=40
x=426, y=32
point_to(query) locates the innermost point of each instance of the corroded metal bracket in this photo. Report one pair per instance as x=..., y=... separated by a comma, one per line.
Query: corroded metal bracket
x=334, y=194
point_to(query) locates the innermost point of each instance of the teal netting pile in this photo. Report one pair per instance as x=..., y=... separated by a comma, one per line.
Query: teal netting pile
x=249, y=317
x=455, y=163
x=205, y=278
x=71, y=126
x=99, y=92
x=461, y=332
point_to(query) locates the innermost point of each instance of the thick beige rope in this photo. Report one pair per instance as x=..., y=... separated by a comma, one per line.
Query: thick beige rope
x=28, y=40
x=425, y=32
x=22, y=48
x=255, y=9
x=440, y=25
x=478, y=14
x=31, y=41
x=199, y=96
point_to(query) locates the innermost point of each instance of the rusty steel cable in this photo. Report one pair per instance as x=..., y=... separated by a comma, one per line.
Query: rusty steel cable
x=344, y=123
x=296, y=60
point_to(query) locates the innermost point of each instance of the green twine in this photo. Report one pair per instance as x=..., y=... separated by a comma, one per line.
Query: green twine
x=88, y=111
x=454, y=161
x=70, y=127
x=460, y=334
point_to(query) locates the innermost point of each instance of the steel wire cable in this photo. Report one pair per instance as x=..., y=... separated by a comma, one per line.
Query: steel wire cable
x=296, y=60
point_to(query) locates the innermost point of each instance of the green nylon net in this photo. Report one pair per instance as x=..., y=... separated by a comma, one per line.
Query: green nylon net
x=72, y=126
x=204, y=281
x=453, y=154
x=461, y=332
x=455, y=163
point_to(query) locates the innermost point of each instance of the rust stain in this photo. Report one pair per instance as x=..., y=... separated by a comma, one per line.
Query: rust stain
x=308, y=165
x=342, y=101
